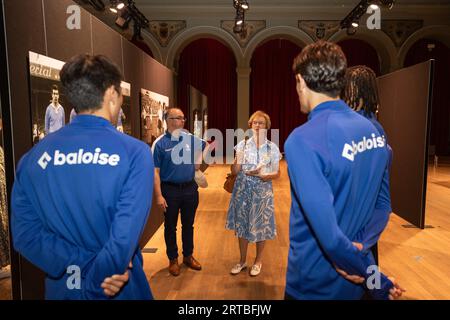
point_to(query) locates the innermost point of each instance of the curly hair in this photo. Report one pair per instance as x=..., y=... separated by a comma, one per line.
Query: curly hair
x=322, y=65
x=361, y=88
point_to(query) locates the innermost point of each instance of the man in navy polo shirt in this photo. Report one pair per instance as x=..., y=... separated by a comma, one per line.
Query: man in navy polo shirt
x=338, y=169
x=177, y=155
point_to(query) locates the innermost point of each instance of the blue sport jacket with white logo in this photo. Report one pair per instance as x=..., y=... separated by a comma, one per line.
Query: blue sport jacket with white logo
x=337, y=164
x=80, y=202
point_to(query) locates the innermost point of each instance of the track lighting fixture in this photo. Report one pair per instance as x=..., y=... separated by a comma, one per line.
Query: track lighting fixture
x=351, y=21
x=241, y=7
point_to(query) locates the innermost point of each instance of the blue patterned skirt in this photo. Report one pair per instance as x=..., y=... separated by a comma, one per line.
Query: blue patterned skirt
x=251, y=210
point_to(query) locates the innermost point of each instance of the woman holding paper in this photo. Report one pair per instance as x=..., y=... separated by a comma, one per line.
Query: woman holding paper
x=251, y=210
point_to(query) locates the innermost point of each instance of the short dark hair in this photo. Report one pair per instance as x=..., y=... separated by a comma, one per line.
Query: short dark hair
x=85, y=79
x=361, y=84
x=322, y=65
x=55, y=87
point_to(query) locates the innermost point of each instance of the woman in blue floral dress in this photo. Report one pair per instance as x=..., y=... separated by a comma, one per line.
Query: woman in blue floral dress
x=251, y=210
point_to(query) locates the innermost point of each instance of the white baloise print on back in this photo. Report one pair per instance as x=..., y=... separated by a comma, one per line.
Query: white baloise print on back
x=79, y=157
x=351, y=150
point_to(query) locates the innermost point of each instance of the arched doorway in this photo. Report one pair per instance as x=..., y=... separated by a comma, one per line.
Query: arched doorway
x=209, y=66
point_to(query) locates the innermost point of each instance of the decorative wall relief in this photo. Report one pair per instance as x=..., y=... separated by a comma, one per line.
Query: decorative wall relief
x=249, y=30
x=164, y=31
x=318, y=29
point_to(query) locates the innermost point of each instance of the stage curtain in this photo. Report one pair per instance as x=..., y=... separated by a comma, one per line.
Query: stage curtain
x=359, y=52
x=210, y=67
x=272, y=84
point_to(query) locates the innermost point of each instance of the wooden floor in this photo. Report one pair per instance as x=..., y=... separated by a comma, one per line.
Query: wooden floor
x=419, y=259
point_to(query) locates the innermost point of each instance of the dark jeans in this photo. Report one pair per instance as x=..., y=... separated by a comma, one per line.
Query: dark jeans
x=184, y=199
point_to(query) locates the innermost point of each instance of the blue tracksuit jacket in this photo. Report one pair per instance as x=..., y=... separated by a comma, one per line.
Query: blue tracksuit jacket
x=80, y=201
x=337, y=164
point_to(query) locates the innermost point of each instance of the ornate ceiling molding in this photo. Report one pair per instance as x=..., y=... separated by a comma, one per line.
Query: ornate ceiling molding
x=164, y=31
x=251, y=28
x=319, y=29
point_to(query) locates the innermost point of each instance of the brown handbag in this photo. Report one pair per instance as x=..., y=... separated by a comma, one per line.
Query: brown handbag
x=231, y=178
x=229, y=182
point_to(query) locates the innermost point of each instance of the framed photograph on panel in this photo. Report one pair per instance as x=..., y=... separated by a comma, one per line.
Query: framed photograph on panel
x=153, y=109
x=123, y=122
x=50, y=110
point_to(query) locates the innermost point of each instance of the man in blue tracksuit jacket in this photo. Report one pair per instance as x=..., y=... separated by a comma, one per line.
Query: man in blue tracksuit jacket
x=337, y=165
x=82, y=196
x=361, y=94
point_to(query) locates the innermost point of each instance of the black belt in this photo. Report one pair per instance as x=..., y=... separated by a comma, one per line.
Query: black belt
x=180, y=185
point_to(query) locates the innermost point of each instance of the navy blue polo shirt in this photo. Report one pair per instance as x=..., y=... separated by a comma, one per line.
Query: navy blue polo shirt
x=175, y=156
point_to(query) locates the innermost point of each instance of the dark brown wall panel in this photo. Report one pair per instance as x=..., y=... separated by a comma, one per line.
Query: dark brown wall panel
x=133, y=59
x=404, y=114
x=158, y=78
x=133, y=66
x=107, y=42
x=63, y=43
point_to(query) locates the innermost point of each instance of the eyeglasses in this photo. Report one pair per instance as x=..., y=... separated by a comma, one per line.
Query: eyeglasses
x=261, y=123
x=178, y=118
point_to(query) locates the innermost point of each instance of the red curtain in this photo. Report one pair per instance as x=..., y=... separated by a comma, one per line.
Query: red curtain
x=440, y=114
x=210, y=67
x=359, y=52
x=272, y=84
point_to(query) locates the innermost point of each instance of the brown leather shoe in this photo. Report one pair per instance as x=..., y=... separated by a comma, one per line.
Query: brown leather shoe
x=174, y=267
x=192, y=263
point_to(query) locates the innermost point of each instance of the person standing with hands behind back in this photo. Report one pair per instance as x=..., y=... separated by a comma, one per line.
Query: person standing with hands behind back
x=82, y=196
x=251, y=210
x=325, y=171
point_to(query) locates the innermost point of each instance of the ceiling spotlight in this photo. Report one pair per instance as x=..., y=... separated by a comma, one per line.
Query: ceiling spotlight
x=124, y=18
x=120, y=6
x=374, y=7
x=112, y=9
x=355, y=24
x=239, y=16
x=244, y=5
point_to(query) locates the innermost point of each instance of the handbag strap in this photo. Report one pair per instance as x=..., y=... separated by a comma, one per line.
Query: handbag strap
x=245, y=145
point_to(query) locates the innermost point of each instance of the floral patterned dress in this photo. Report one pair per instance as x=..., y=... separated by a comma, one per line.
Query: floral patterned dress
x=251, y=210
